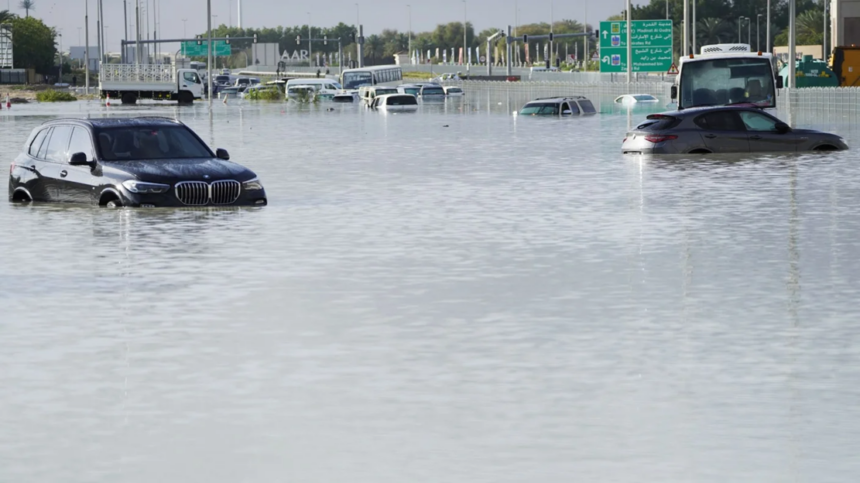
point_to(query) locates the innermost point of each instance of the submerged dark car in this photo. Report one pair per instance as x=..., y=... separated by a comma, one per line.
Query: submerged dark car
x=726, y=129
x=128, y=162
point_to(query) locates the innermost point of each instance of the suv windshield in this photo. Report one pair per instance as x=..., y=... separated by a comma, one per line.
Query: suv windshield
x=149, y=142
x=727, y=81
x=541, y=108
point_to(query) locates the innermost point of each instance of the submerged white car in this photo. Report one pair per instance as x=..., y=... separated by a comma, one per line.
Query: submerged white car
x=395, y=103
x=454, y=91
x=636, y=99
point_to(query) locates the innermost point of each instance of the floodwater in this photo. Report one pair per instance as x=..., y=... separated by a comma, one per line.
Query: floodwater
x=453, y=295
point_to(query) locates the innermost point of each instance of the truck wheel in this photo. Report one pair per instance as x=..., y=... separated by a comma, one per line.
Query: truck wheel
x=186, y=98
x=129, y=98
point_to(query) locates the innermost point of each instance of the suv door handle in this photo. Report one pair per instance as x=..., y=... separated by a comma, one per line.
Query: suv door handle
x=64, y=173
x=756, y=137
x=710, y=136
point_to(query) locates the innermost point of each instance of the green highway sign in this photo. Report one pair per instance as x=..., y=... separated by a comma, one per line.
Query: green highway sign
x=221, y=49
x=652, y=46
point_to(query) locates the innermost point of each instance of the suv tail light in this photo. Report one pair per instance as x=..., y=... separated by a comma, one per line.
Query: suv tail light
x=659, y=138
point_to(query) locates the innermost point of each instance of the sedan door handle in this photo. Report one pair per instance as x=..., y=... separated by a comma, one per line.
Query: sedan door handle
x=710, y=136
x=64, y=173
x=756, y=137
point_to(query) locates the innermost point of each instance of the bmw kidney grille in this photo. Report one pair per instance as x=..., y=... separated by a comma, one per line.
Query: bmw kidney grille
x=201, y=193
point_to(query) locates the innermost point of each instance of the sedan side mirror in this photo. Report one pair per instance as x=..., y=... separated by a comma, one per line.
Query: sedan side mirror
x=674, y=92
x=221, y=153
x=782, y=128
x=80, y=159
x=779, y=83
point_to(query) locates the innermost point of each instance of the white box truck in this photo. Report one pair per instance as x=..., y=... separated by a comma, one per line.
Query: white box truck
x=130, y=82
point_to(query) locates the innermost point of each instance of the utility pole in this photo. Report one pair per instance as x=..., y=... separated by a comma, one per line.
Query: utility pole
x=98, y=30
x=464, y=31
x=125, y=26
x=409, y=7
x=585, y=39
x=310, y=43
x=792, y=47
x=87, y=47
x=137, y=50
x=686, y=50
x=209, y=49
x=767, y=27
x=693, y=25
x=102, y=29
x=240, y=14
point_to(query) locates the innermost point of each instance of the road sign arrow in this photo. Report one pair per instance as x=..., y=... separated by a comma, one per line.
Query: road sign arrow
x=605, y=33
x=605, y=59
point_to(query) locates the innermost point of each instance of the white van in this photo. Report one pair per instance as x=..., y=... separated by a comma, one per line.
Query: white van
x=325, y=88
x=368, y=93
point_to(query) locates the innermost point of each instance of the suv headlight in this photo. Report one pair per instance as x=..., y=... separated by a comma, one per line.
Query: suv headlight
x=143, y=187
x=252, y=184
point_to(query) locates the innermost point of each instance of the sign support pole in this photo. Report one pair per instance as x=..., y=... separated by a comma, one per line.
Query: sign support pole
x=629, y=43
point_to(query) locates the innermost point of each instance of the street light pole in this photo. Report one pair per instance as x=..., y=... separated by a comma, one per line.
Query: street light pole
x=740, y=22
x=749, y=30
x=310, y=43
x=357, y=17
x=60, y=77
x=767, y=27
x=757, y=36
x=209, y=50
x=464, y=32
x=824, y=34
x=409, y=7
x=87, y=45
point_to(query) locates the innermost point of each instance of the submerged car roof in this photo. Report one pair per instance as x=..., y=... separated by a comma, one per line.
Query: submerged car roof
x=118, y=121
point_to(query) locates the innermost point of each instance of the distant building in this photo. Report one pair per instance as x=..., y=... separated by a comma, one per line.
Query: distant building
x=77, y=53
x=6, y=46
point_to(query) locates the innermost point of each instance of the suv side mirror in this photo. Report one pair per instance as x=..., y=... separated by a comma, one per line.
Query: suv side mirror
x=80, y=159
x=221, y=153
x=674, y=92
x=782, y=128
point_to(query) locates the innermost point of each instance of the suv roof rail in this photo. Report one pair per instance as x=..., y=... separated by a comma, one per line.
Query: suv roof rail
x=560, y=97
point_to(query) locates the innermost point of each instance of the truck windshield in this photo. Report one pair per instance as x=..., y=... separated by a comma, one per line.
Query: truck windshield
x=149, y=142
x=712, y=82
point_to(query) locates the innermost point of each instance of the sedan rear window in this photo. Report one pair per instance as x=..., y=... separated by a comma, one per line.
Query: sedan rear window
x=658, y=123
x=150, y=142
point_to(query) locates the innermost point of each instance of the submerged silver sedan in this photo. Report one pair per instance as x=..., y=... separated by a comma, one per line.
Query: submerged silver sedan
x=726, y=129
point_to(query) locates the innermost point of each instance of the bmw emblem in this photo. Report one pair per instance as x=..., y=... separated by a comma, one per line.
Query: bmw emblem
x=205, y=176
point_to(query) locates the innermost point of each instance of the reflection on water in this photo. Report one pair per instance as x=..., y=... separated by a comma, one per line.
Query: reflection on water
x=456, y=294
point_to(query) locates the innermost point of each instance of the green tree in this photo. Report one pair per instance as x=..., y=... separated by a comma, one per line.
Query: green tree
x=34, y=44
x=27, y=5
x=6, y=16
x=713, y=31
x=808, y=27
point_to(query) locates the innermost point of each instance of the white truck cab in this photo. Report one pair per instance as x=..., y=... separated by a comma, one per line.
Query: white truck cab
x=726, y=74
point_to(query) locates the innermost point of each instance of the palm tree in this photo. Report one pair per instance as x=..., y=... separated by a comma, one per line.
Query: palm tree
x=808, y=27
x=27, y=5
x=712, y=31
x=6, y=16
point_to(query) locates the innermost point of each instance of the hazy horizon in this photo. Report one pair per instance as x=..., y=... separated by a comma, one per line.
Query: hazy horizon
x=68, y=15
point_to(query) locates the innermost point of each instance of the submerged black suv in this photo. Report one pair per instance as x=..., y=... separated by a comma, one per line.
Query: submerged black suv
x=128, y=162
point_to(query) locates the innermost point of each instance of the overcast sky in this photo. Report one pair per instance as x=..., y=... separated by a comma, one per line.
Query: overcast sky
x=68, y=15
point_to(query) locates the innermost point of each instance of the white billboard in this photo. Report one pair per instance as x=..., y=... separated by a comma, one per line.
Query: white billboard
x=264, y=55
x=6, y=46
